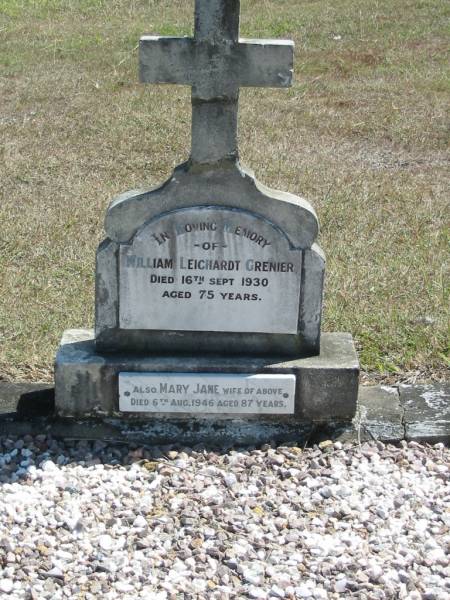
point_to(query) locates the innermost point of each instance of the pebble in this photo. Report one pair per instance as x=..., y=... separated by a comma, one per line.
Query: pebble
x=257, y=592
x=340, y=586
x=106, y=542
x=92, y=520
x=277, y=592
x=55, y=572
x=252, y=577
x=48, y=466
x=6, y=585
x=303, y=591
x=140, y=522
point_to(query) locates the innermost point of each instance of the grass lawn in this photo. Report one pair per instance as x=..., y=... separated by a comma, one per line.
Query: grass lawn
x=363, y=134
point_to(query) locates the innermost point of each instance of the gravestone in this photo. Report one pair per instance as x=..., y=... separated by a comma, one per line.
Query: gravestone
x=209, y=287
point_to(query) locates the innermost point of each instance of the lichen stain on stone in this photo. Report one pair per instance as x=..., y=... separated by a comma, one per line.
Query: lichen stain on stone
x=437, y=400
x=389, y=389
x=103, y=293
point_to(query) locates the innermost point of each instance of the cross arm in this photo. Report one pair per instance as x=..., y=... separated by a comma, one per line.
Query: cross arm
x=183, y=60
x=164, y=59
x=265, y=63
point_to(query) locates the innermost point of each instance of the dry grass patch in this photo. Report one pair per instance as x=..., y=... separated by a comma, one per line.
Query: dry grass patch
x=363, y=134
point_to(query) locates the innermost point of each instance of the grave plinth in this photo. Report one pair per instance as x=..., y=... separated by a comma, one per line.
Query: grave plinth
x=211, y=279
x=88, y=384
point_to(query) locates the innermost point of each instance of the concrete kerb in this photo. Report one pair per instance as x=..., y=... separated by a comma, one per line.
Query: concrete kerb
x=418, y=413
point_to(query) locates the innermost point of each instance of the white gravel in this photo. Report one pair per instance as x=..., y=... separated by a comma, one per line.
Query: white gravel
x=91, y=520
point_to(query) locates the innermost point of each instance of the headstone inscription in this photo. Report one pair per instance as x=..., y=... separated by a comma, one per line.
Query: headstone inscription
x=202, y=281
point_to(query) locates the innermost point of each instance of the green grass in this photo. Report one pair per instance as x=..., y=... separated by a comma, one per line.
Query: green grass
x=363, y=134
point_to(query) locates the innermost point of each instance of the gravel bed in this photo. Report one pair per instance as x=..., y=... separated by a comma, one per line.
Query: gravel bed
x=96, y=520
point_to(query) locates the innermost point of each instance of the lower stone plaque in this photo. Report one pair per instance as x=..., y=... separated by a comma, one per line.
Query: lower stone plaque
x=207, y=393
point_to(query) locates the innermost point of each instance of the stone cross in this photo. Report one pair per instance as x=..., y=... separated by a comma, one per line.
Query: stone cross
x=216, y=63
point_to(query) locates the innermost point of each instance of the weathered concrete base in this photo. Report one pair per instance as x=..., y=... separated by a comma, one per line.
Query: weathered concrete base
x=426, y=411
x=380, y=414
x=386, y=414
x=86, y=382
x=208, y=433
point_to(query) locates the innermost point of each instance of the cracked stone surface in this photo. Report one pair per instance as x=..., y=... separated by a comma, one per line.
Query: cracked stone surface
x=426, y=411
x=380, y=413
